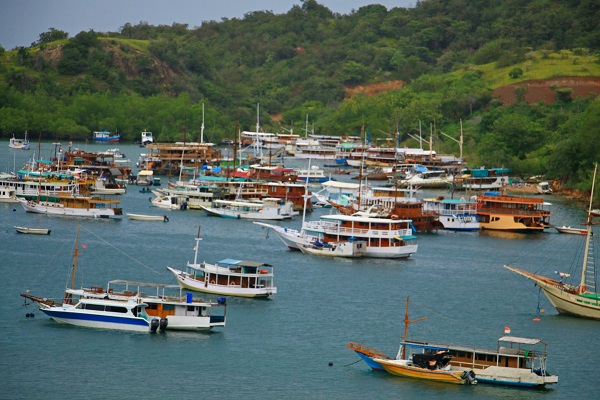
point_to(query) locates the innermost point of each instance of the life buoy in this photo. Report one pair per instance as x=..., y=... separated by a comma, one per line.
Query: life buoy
x=231, y=283
x=212, y=282
x=395, y=217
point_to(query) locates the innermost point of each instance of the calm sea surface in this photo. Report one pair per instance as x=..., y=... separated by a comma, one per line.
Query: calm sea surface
x=293, y=345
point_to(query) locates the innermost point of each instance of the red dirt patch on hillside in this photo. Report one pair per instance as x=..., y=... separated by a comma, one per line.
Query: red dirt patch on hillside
x=374, y=88
x=541, y=90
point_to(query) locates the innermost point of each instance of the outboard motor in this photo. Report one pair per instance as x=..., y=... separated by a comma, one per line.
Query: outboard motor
x=470, y=377
x=154, y=325
x=163, y=324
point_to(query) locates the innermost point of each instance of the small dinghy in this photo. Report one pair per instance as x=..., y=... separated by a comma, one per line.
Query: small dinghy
x=35, y=231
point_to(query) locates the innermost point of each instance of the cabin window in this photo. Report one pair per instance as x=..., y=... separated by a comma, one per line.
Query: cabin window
x=191, y=308
x=95, y=307
x=116, y=309
x=152, y=306
x=168, y=307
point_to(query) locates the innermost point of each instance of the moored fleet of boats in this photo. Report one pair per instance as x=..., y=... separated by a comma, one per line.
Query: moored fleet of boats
x=366, y=221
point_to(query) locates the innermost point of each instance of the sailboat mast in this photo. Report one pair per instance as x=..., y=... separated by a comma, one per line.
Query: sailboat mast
x=68, y=297
x=582, y=286
x=202, y=127
x=407, y=322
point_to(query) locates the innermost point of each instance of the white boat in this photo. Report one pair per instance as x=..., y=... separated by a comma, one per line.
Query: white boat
x=35, y=231
x=267, y=209
x=291, y=238
x=145, y=178
x=8, y=194
x=580, y=299
x=147, y=138
x=169, y=201
x=102, y=186
x=173, y=309
x=95, y=312
x=227, y=277
x=142, y=217
x=75, y=206
x=20, y=144
x=454, y=214
x=568, y=229
x=105, y=136
x=385, y=237
x=313, y=175
x=335, y=249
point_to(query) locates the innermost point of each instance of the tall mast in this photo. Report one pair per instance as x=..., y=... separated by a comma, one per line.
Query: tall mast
x=407, y=322
x=582, y=286
x=202, y=126
x=68, y=297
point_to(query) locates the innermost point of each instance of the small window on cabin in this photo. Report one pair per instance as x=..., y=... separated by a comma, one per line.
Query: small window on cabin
x=168, y=307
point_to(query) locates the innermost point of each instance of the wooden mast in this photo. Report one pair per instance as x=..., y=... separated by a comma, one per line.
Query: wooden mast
x=407, y=322
x=68, y=297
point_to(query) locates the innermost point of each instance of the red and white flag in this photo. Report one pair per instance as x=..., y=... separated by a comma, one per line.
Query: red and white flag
x=506, y=330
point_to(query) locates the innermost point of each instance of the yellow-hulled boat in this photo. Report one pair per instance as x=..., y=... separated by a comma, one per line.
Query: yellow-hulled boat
x=447, y=374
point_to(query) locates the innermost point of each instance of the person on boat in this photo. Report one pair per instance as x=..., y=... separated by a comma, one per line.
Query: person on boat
x=165, y=218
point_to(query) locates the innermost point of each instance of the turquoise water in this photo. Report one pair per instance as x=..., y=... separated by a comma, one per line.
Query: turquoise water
x=293, y=345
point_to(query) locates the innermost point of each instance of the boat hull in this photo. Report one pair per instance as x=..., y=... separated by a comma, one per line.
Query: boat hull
x=34, y=231
x=141, y=217
x=72, y=316
x=565, y=301
x=402, y=368
x=210, y=287
x=58, y=209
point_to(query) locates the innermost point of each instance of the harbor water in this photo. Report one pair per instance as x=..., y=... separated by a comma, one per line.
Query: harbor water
x=290, y=346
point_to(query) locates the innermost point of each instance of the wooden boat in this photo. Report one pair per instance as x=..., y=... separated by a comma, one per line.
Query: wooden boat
x=516, y=361
x=568, y=229
x=426, y=364
x=227, y=277
x=336, y=249
x=142, y=217
x=75, y=206
x=497, y=211
x=35, y=231
x=580, y=300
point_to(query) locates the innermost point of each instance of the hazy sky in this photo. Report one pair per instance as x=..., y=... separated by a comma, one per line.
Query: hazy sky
x=22, y=21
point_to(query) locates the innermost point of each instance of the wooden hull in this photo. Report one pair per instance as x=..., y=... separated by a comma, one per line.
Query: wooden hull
x=563, y=298
x=501, y=222
x=402, y=368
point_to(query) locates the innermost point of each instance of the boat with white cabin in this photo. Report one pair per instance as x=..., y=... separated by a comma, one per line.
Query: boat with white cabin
x=269, y=208
x=227, y=277
x=19, y=144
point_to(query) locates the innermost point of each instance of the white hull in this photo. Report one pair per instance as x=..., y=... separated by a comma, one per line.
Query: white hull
x=141, y=217
x=109, y=191
x=212, y=287
x=565, y=302
x=292, y=238
x=512, y=377
x=265, y=214
x=464, y=222
x=336, y=249
x=90, y=319
x=60, y=210
x=35, y=231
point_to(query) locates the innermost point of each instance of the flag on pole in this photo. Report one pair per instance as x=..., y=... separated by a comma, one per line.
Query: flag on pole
x=506, y=330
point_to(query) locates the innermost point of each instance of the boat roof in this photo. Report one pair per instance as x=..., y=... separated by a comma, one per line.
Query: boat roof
x=340, y=185
x=242, y=263
x=519, y=340
x=341, y=217
x=147, y=284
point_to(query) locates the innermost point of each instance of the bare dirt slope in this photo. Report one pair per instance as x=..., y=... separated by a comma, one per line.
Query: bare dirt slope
x=542, y=90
